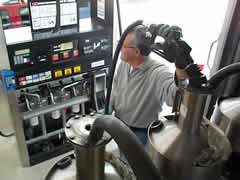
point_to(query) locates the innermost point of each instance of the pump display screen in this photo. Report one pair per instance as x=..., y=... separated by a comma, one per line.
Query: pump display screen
x=62, y=47
x=43, y=13
x=22, y=51
x=66, y=46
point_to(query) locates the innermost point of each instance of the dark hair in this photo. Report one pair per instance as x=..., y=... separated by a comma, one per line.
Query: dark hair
x=142, y=40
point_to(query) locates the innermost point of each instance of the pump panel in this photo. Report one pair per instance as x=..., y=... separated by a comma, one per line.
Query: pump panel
x=60, y=73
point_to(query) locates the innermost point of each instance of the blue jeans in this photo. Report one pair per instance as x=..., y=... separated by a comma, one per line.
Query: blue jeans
x=142, y=136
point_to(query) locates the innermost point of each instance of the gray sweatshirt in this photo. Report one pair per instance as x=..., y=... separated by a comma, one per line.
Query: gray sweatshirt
x=137, y=96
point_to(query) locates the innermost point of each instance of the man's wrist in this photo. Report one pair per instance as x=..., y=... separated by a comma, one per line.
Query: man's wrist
x=181, y=74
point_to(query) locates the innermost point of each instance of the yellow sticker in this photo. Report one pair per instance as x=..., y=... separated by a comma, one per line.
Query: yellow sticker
x=58, y=74
x=77, y=69
x=68, y=71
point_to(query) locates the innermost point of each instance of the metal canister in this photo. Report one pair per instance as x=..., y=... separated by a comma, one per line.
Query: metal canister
x=91, y=162
x=226, y=115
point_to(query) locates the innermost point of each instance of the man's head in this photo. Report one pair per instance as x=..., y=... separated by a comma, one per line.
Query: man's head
x=136, y=45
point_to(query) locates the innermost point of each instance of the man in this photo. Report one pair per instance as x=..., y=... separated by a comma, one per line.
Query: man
x=141, y=84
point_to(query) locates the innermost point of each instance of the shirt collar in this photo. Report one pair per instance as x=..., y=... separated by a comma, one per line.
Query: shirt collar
x=147, y=63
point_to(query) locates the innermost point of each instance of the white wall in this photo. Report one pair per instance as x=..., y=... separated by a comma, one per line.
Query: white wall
x=201, y=20
x=5, y=120
x=4, y=63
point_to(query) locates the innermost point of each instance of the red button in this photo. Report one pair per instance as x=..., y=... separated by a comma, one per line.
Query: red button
x=22, y=83
x=201, y=66
x=34, y=3
x=75, y=52
x=55, y=57
x=22, y=79
x=65, y=55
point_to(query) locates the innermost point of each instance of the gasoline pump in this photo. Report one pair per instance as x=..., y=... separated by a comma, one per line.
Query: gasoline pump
x=57, y=71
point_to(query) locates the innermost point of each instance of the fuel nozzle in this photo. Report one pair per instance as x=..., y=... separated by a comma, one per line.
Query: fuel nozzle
x=69, y=86
x=36, y=96
x=57, y=113
x=34, y=122
x=168, y=44
x=51, y=94
x=75, y=107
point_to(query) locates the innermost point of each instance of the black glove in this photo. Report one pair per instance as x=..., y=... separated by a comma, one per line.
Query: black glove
x=175, y=50
x=183, y=60
x=166, y=31
x=182, y=54
x=170, y=34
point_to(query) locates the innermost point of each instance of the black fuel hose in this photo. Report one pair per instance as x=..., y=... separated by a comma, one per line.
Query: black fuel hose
x=223, y=73
x=119, y=18
x=129, y=144
x=114, y=62
x=61, y=164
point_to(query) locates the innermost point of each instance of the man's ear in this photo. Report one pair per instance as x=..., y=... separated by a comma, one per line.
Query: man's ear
x=138, y=52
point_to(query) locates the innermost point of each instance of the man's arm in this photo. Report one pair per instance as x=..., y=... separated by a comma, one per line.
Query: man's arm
x=165, y=85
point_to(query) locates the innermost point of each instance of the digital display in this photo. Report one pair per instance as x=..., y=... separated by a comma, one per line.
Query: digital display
x=43, y=13
x=66, y=46
x=22, y=51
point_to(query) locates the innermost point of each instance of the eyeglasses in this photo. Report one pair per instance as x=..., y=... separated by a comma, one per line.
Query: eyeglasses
x=129, y=47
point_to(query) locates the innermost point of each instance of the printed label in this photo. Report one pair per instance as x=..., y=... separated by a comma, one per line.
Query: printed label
x=56, y=114
x=34, y=121
x=98, y=63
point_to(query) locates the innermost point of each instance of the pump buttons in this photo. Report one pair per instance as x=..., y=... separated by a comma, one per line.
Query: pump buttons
x=58, y=74
x=55, y=57
x=65, y=55
x=77, y=69
x=75, y=52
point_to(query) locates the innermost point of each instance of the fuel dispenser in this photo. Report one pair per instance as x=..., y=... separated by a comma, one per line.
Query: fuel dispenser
x=59, y=73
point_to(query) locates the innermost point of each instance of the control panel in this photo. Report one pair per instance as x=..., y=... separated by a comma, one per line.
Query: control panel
x=40, y=61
